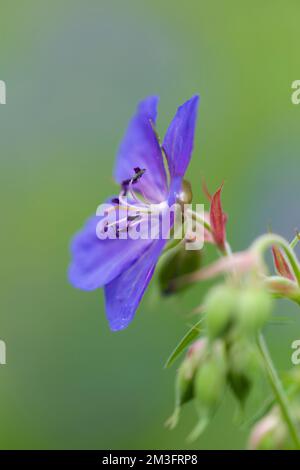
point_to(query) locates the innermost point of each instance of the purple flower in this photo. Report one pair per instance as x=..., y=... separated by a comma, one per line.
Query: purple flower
x=124, y=267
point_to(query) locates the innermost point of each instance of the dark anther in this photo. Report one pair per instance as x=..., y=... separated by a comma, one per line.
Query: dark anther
x=131, y=218
x=138, y=174
x=115, y=200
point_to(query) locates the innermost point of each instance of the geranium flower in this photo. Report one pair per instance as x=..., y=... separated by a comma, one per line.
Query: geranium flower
x=124, y=267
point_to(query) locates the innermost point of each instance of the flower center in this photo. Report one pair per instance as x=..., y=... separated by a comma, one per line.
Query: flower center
x=133, y=208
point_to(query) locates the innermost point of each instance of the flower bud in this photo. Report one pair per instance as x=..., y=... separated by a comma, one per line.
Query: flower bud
x=218, y=220
x=281, y=264
x=220, y=308
x=255, y=306
x=186, y=194
x=210, y=378
x=187, y=370
x=243, y=364
x=268, y=434
x=178, y=264
x=184, y=387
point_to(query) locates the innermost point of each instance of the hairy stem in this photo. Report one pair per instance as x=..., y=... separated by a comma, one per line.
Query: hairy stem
x=198, y=218
x=267, y=241
x=295, y=241
x=278, y=391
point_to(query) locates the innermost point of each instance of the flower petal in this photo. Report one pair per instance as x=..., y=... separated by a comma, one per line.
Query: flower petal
x=140, y=149
x=124, y=293
x=96, y=262
x=179, y=139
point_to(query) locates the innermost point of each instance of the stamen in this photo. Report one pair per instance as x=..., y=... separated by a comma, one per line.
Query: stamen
x=135, y=196
x=114, y=208
x=138, y=174
x=142, y=207
x=116, y=223
x=130, y=218
x=132, y=222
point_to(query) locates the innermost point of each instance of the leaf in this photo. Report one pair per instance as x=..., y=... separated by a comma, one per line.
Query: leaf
x=188, y=338
x=218, y=219
x=178, y=264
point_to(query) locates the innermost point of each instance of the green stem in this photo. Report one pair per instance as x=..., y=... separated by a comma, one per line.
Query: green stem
x=295, y=241
x=197, y=217
x=281, y=287
x=267, y=241
x=279, y=391
x=173, y=243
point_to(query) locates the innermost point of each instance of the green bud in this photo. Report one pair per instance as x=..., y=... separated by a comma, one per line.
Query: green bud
x=255, y=306
x=187, y=371
x=220, y=309
x=240, y=384
x=210, y=378
x=243, y=356
x=184, y=386
x=243, y=363
x=176, y=265
x=184, y=391
x=184, y=383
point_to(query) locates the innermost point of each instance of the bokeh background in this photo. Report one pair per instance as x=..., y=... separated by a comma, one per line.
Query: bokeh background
x=74, y=72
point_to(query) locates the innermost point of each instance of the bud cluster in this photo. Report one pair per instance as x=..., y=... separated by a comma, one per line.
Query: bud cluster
x=232, y=352
x=228, y=355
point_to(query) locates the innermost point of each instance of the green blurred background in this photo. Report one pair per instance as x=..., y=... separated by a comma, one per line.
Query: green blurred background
x=75, y=71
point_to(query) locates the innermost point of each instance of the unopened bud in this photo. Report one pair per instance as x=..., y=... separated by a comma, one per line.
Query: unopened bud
x=243, y=365
x=218, y=220
x=210, y=378
x=187, y=370
x=255, y=306
x=268, y=434
x=186, y=194
x=184, y=387
x=220, y=308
